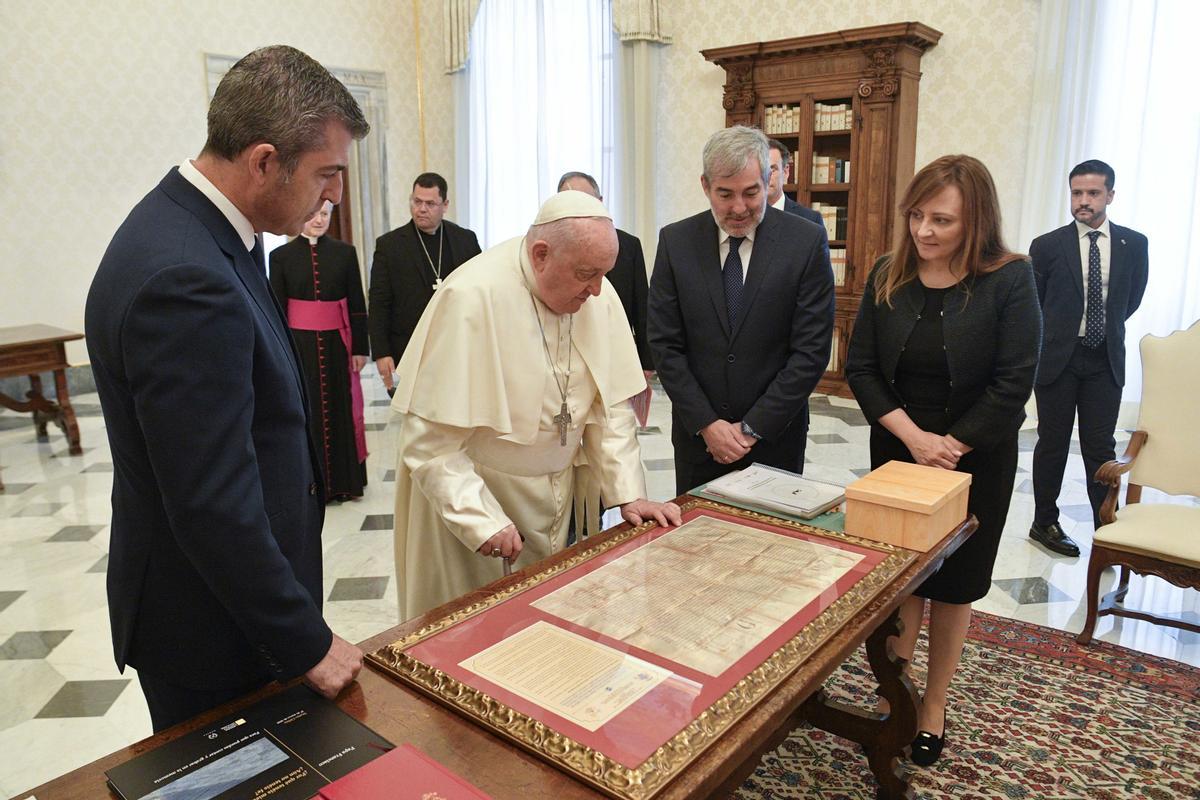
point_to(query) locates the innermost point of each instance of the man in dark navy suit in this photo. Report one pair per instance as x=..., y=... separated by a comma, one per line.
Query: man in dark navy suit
x=1091, y=275
x=740, y=319
x=214, y=574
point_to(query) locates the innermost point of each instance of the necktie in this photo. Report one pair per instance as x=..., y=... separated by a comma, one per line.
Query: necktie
x=733, y=280
x=260, y=260
x=1093, y=327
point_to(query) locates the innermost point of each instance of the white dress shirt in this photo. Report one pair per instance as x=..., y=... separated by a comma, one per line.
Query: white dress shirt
x=744, y=251
x=236, y=218
x=1104, y=243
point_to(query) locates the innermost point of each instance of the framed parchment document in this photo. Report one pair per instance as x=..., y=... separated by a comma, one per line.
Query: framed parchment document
x=623, y=663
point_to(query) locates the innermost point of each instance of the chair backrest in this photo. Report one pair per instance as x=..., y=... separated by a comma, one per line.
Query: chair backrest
x=1170, y=413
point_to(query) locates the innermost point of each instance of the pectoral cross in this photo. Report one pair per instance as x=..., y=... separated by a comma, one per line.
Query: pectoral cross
x=562, y=419
x=437, y=284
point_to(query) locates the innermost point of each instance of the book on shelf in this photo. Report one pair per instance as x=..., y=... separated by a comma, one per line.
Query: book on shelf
x=837, y=260
x=836, y=219
x=781, y=119
x=828, y=169
x=834, y=361
x=286, y=746
x=406, y=773
x=832, y=116
x=776, y=490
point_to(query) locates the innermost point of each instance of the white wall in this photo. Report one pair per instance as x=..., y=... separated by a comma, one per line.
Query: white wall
x=99, y=100
x=976, y=84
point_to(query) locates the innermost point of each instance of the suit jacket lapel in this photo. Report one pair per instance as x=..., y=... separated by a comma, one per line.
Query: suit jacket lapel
x=761, y=258
x=708, y=258
x=223, y=233
x=1070, y=245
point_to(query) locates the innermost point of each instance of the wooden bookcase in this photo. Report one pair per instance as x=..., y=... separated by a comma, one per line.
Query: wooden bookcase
x=875, y=73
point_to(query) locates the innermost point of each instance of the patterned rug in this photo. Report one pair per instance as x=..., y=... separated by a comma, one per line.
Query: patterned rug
x=1032, y=715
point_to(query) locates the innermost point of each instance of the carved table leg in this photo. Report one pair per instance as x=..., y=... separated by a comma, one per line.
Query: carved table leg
x=40, y=417
x=883, y=737
x=67, y=414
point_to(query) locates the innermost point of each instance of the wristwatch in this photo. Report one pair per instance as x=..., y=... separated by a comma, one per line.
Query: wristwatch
x=746, y=429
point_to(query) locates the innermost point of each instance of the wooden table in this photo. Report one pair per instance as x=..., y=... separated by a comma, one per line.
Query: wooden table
x=31, y=350
x=506, y=772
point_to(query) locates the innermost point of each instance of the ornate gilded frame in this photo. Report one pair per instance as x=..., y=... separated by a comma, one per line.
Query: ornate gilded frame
x=671, y=758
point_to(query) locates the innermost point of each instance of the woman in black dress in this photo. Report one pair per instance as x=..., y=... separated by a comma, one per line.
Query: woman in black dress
x=942, y=361
x=317, y=281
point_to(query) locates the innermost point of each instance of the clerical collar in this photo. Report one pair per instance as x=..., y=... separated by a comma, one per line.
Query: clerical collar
x=243, y=226
x=312, y=240
x=429, y=235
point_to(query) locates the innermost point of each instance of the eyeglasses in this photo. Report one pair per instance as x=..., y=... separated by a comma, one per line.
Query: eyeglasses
x=429, y=204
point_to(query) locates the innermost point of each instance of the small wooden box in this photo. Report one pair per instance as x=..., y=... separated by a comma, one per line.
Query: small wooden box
x=907, y=504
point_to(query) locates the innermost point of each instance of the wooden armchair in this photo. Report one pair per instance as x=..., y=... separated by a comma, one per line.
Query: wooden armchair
x=1161, y=539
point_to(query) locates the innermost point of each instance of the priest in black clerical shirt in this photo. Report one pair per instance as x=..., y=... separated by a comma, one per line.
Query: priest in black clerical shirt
x=409, y=266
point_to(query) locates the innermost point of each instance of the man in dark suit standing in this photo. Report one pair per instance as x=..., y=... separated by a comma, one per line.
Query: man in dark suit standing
x=1091, y=275
x=780, y=162
x=740, y=319
x=628, y=275
x=214, y=573
x=409, y=266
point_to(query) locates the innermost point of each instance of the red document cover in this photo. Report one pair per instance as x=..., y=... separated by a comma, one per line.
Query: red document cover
x=405, y=773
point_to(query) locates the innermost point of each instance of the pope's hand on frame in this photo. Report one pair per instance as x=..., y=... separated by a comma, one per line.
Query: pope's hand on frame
x=665, y=514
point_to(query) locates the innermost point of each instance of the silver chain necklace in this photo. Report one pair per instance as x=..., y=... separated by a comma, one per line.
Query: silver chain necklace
x=437, y=271
x=563, y=418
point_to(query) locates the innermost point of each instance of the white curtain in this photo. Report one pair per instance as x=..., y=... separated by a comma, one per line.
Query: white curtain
x=1112, y=83
x=539, y=102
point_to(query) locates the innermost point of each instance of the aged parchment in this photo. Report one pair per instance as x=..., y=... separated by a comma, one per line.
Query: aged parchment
x=704, y=594
x=578, y=679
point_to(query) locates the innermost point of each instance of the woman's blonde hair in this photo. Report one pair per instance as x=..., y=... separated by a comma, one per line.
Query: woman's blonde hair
x=982, y=250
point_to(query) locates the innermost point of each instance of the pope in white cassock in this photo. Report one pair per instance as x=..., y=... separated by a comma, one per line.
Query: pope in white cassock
x=522, y=357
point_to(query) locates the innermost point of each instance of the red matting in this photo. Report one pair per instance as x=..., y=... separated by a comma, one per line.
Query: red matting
x=634, y=734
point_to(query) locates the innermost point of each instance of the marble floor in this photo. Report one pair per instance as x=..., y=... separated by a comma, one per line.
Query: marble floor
x=63, y=703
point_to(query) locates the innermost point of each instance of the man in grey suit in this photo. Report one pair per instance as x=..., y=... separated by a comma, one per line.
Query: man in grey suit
x=1091, y=275
x=740, y=319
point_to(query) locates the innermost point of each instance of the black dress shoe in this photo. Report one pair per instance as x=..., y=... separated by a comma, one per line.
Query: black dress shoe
x=1053, y=537
x=926, y=748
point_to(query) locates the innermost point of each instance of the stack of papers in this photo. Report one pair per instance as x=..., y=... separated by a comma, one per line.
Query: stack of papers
x=777, y=490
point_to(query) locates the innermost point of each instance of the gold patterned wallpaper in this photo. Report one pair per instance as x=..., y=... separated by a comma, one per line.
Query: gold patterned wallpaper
x=976, y=84
x=99, y=100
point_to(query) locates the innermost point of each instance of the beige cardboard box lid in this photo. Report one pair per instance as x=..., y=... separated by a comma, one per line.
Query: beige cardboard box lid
x=911, y=487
